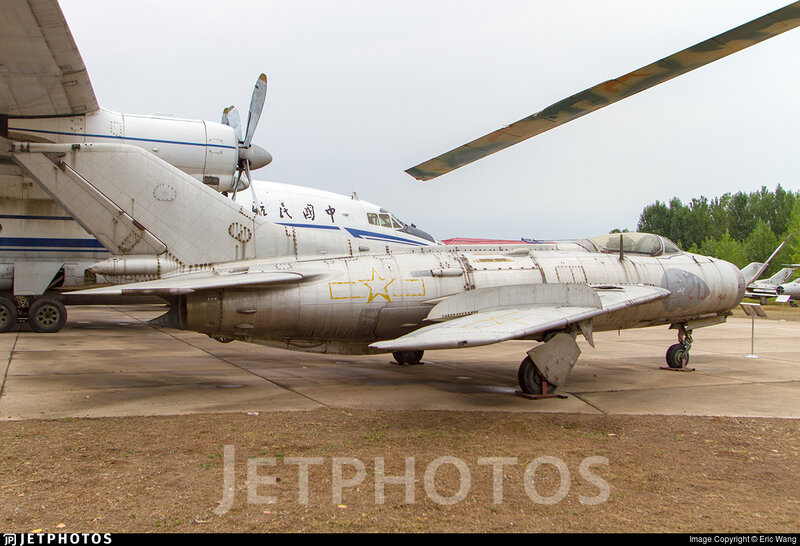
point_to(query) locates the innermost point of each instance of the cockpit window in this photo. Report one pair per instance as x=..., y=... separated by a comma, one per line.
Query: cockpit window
x=635, y=243
x=384, y=219
x=670, y=247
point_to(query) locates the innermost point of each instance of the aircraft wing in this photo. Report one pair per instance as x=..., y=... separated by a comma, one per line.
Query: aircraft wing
x=186, y=284
x=41, y=70
x=540, y=308
x=611, y=91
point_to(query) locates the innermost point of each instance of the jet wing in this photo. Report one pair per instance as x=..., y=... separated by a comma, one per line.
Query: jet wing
x=41, y=70
x=186, y=284
x=539, y=308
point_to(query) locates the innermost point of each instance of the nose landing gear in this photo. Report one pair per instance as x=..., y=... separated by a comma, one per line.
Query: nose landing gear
x=678, y=354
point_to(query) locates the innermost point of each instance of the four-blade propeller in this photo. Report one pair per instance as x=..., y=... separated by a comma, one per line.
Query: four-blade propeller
x=251, y=156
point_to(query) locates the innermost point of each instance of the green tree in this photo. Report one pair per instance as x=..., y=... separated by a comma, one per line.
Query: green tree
x=727, y=248
x=760, y=245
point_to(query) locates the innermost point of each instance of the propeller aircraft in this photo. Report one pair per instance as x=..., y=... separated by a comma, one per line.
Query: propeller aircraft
x=237, y=275
x=46, y=96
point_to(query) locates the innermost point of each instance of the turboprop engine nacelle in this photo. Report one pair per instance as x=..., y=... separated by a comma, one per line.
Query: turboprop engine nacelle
x=205, y=150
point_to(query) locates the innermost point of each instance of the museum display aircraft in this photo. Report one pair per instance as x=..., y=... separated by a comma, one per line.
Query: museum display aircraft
x=791, y=289
x=46, y=96
x=236, y=275
x=768, y=288
x=761, y=289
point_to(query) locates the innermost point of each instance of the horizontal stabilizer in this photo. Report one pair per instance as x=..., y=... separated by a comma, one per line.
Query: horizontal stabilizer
x=536, y=309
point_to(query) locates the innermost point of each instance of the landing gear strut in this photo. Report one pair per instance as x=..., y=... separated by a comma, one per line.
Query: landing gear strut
x=678, y=354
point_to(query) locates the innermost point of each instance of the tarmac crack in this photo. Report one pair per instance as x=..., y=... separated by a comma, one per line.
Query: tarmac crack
x=8, y=363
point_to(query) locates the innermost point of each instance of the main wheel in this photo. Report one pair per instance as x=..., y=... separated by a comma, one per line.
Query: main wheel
x=677, y=356
x=47, y=316
x=530, y=380
x=409, y=358
x=8, y=315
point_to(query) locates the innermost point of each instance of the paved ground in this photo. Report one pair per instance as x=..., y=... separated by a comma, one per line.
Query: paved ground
x=108, y=362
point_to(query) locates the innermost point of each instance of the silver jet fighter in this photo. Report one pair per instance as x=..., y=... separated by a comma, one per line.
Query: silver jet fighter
x=768, y=288
x=236, y=275
x=239, y=276
x=791, y=289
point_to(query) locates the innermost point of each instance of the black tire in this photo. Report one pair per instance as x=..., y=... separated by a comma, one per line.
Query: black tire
x=530, y=380
x=677, y=356
x=409, y=358
x=47, y=316
x=8, y=315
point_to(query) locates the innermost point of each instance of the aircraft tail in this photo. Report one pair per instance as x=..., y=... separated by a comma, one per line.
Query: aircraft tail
x=765, y=265
x=135, y=203
x=782, y=276
x=751, y=271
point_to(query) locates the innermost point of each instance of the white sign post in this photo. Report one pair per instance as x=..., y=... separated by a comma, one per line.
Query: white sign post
x=782, y=300
x=753, y=310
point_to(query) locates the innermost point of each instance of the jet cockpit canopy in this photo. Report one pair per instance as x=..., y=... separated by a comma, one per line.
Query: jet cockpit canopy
x=646, y=244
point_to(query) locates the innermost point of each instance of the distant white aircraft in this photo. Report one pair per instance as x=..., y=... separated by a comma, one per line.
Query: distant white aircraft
x=768, y=288
x=791, y=289
x=761, y=289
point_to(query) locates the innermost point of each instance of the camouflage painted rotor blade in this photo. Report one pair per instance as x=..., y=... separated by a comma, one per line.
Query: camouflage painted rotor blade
x=611, y=91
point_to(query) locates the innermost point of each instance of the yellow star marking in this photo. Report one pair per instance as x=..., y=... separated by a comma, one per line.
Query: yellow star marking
x=377, y=287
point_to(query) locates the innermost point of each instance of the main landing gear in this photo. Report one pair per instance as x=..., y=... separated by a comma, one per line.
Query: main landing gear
x=548, y=365
x=44, y=314
x=408, y=358
x=678, y=354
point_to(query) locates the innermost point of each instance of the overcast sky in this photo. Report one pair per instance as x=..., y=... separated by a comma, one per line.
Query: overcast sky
x=361, y=90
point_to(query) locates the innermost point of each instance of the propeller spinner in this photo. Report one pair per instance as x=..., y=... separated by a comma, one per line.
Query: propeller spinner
x=251, y=156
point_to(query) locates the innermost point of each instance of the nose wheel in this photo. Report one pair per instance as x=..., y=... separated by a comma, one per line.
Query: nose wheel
x=678, y=354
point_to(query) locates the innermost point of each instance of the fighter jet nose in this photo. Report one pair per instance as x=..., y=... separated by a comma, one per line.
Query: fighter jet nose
x=256, y=155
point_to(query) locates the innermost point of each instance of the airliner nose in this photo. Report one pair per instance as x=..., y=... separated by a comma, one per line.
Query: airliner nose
x=257, y=156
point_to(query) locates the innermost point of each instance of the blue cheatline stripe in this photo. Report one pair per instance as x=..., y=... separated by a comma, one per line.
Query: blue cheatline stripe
x=50, y=242
x=62, y=250
x=307, y=225
x=31, y=217
x=382, y=237
x=123, y=138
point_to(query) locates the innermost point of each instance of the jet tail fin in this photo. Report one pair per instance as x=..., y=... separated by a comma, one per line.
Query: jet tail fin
x=765, y=265
x=782, y=276
x=135, y=203
x=751, y=271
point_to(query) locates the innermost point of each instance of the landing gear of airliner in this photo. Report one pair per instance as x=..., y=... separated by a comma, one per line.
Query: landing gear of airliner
x=678, y=354
x=8, y=315
x=47, y=315
x=44, y=314
x=408, y=358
